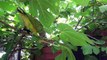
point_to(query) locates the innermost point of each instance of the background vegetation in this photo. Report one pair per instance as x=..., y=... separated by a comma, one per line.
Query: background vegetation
x=69, y=25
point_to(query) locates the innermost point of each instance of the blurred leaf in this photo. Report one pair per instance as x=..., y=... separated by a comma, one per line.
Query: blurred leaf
x=1, y=12
x=67, y=34
x=103, y=8
x=66, y=52
x=31, y=23
x=50, y=29
x=92, y=26
x=70, y=55
x=63, y=5
x=45, y=10
x=18, y=21
x=100, y=42
x=87, y=49
x=1, y=33
x=82, y=2
x=62, y=56
x=6, y=5
x=89, y=57
x=23, y=0
x=104, y=1
x=103, y=49
x=64, y=27
x=96, y=50
x=106, y=50
x=8, y=50
x=71, y=46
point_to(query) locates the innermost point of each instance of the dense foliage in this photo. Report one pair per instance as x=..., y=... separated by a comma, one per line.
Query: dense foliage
x=67, y=25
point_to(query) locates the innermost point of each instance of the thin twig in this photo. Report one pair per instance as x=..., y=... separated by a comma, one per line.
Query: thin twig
x=12, y=52
x=67, y=6
x=80, y=18
x=85, y=25
x=78, y=22
x=20, y=46
x=7, y=24
x=92, y=37
x=90, y=21
x=19, y=53
x=2, y=45
x=29, y=48
x=93, y=11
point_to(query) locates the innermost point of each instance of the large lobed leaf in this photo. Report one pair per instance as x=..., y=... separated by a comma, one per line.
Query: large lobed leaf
x=66, y=53
x=45, y=10
x=88, y=49
x=67, y=34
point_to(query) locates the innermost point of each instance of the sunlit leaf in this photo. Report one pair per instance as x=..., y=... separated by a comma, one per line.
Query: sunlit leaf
x=82, y=2
x=45, y=10
x=104, y=1
x=6, y=5
x=64, y=27
x=103, y=8
x=70, y=35
x=1, y=12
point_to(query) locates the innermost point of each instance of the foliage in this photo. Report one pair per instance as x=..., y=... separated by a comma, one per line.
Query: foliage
x=66, y=22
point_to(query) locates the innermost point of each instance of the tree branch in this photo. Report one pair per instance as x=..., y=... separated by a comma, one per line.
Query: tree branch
x=78, y=22
x=92, y=37
x=7, y=24
x=85, y=25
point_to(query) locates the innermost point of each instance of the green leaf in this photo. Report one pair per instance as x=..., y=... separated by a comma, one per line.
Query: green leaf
x=71, y=37
x=82, y=2
x=87, y=49
x=96, y=50
x=46, y=10
x=1, y=12
x=66, y=52
x=6, y=5
x=62, y=56
x=92, y=26
x=104, y=1
x=8, y=50
x=64, y=27
x=69, y=53
x=71, y=46
x=103, y=8
x=18, y=21
x=23, y=0
x=67, y=34
x=50, y=29
x=106, y=50
x=100, y=42
x=103, y=49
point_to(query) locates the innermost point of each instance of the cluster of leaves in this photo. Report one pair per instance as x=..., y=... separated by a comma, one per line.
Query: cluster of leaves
x=61, y=20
